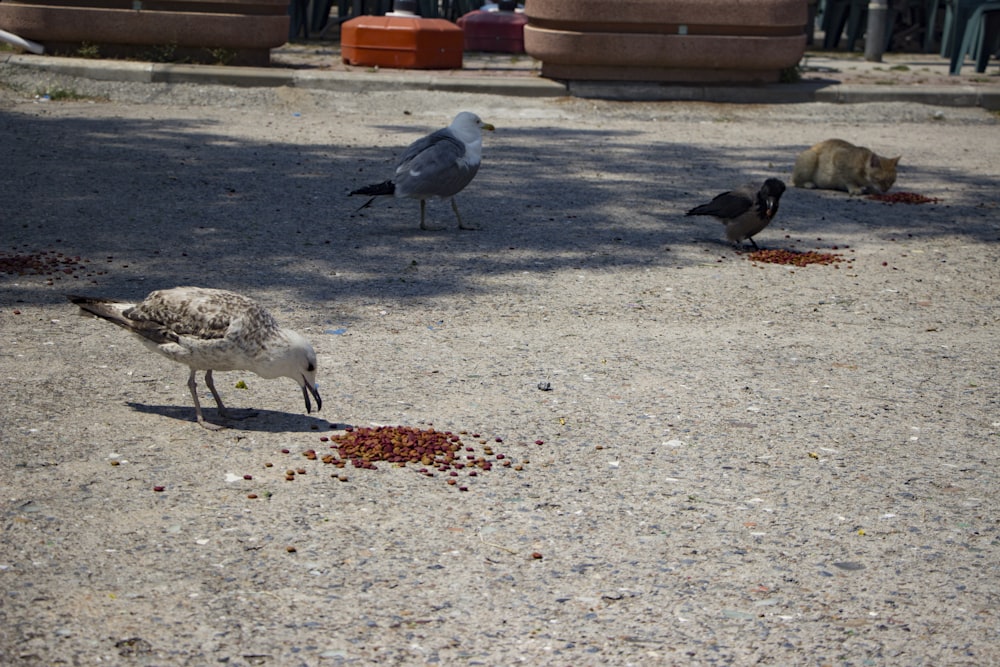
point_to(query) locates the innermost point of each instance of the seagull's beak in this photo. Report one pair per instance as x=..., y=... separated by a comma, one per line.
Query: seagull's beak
x=488, y=126
x=310, y=389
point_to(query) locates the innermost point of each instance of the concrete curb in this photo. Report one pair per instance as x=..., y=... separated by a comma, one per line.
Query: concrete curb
x=833, y=92
x=267, y=77
x=660, y=92
x=359, y=82
x=946, y=96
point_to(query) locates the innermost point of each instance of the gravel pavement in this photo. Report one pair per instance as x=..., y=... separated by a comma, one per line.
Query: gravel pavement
x=734, y=463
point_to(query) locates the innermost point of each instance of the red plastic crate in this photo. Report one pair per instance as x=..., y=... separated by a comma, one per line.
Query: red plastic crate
x=402, y=42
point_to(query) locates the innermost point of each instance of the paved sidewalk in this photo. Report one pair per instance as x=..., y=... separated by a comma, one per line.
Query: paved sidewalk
x=826, y=77
x=732, y=463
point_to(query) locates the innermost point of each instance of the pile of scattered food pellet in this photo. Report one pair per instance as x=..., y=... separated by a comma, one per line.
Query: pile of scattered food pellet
x=903, y=198
x=50, y=263
x=434, y=451
x=796, y=257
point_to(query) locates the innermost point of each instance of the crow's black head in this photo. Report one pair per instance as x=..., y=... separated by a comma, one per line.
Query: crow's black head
x=769, y=195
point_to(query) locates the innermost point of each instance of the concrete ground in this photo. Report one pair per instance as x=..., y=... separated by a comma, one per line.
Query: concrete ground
x=734, y=462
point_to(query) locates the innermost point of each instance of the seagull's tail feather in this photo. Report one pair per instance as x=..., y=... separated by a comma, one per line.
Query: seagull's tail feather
x=106, y=309
x=377, y=189
x=114, y=312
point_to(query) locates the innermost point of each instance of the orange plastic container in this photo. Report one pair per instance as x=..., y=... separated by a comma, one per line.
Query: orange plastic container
x=494, y=31
x=403, y=42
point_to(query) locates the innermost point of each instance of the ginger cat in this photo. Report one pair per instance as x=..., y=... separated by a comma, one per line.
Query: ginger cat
x=835, y=164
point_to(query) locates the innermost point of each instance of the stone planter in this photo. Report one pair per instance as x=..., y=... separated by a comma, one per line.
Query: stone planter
x=238, y=32
x=678, y=41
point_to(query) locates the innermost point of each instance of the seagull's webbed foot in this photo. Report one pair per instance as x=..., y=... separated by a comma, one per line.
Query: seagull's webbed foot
x=423, y=218
x=209, y=425
x=461, y=225
x=224, y=412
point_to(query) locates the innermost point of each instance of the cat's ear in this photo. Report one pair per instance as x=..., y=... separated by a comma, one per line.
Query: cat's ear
x=894, y=161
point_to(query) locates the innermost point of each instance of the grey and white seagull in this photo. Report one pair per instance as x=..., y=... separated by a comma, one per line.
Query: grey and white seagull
x=213, y=330
x=437, y=166
x=744, y=211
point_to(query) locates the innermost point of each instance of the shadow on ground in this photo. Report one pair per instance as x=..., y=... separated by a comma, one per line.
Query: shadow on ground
x=185, y=202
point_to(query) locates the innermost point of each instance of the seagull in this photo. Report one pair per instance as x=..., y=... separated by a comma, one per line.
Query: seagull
x=213, y=330
x=437, y=166
x=744, y=211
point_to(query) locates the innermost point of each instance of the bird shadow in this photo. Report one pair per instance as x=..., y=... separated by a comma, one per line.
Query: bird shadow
x=261, y=421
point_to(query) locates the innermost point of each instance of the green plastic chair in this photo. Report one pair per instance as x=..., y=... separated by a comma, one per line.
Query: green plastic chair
x=979, y=36
x=956, y=18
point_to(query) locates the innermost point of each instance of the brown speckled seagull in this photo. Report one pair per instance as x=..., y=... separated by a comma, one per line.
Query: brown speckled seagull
x=213, y=330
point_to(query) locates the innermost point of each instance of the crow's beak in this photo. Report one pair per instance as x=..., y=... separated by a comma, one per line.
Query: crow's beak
x=772, y=207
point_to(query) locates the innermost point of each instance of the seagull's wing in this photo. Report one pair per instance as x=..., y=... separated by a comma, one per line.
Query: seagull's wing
x=183, y=312
x=728, y=205
x=434, y=166
x=201, y=314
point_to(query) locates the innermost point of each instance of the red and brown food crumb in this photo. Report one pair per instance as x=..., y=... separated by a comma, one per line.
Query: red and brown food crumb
x=52, y=264
x=903, y=198
x=436, y=452
x=362, y=447
x=795, y=257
